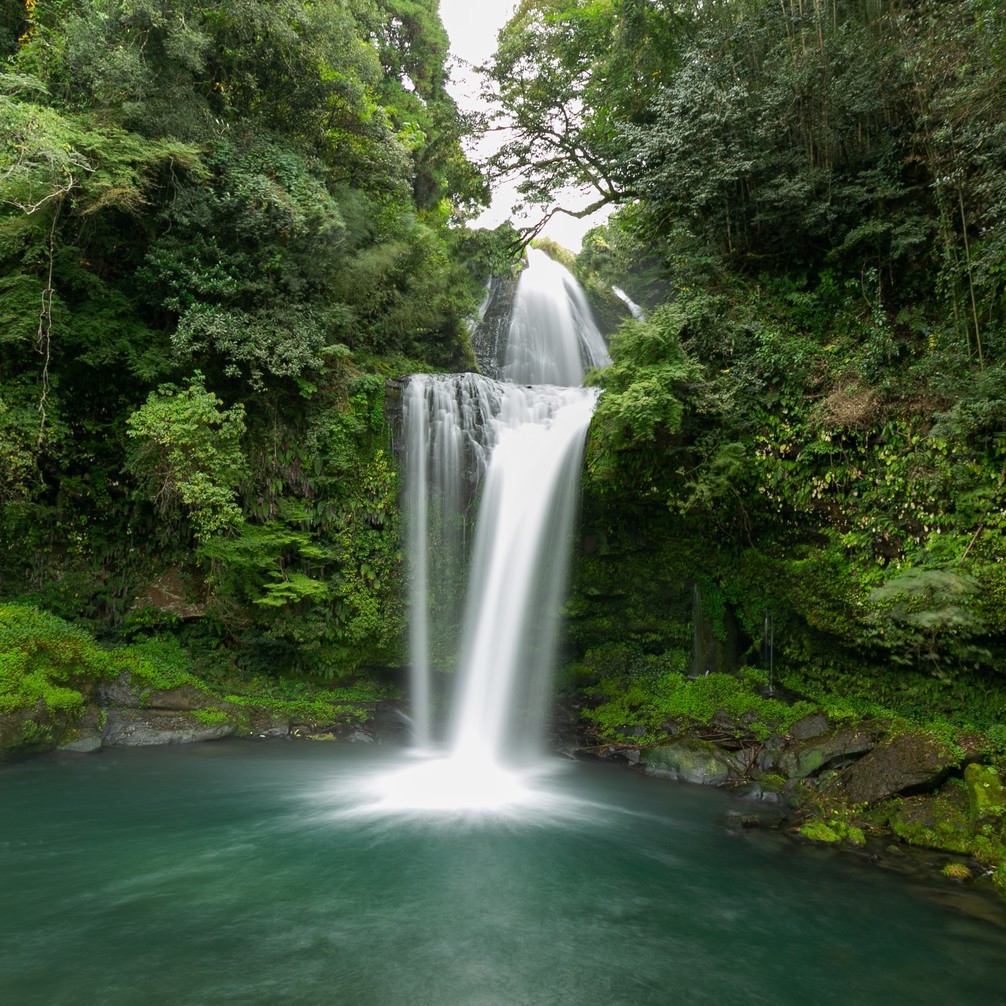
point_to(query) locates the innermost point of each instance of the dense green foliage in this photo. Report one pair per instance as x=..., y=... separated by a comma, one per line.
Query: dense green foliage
x=221, y=227
x=809, y=424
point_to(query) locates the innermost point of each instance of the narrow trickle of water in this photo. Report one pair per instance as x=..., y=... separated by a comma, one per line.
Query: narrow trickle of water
x=634, y=309
x=501, y=458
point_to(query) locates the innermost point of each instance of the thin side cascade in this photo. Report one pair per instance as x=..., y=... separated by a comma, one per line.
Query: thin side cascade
x=418, y=516
x=446, y=418
x=634, y=309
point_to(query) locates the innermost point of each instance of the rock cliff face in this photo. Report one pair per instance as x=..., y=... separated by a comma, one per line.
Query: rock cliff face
x=489, y=330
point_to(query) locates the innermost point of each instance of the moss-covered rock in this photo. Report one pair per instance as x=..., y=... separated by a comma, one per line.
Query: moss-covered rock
x=937, y=821
x=810, y=757
x=832, y=832
x=49, y=671
x=986, y=800
x=689, y=759
x=905, y=762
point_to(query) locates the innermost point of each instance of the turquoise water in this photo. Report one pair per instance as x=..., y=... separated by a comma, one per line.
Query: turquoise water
x=247, y=873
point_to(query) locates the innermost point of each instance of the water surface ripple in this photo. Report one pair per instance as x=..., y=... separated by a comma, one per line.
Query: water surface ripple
x=285, y=874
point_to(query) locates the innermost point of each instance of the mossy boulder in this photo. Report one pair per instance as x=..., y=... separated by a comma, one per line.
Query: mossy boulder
x=812, y=756
x=904, y=763
x=832, y=832
x=689, y=759
x=936, y=821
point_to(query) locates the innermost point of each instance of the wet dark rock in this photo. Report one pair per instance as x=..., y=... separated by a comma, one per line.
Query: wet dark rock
x=491, y=328
x=813, y=756
x=150, y=727
x=906, y=762
x=268, y=725
x=809, y=727
x=755, y=791
x=737, y=820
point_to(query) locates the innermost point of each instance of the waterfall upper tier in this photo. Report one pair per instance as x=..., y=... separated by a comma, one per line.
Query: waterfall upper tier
x=539, y=331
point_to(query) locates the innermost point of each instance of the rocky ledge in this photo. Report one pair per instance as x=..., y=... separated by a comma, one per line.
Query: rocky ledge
x=854, y=785
x=127, y=712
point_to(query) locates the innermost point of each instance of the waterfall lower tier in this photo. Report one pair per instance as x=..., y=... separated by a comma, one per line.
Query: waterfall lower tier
x=490, y=604
x=518, y=575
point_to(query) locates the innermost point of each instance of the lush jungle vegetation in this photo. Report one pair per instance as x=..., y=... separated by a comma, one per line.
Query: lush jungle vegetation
x=223, y=226
x=809, y=426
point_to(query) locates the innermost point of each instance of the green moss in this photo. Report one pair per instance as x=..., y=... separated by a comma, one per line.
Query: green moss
x=210, y=717
x=835, y=830
x=159, y=664
x=985, y=793
x=642, y=706
x=933, y=822
x=297, y=700
x=48, y=670
x=771, y=782
x=818, y=831
x=957, y=871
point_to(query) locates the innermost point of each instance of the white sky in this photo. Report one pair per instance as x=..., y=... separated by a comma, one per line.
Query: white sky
x=473, y=26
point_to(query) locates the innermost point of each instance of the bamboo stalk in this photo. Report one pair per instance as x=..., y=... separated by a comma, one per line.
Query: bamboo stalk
x=971, y=279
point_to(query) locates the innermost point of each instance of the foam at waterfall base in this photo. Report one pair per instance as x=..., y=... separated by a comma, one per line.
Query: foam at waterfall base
x=430, y=786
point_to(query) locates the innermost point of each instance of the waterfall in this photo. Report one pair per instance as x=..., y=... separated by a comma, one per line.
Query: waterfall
x=553, y=338
x=517, y=571
x=634, y=309
x=492, y=469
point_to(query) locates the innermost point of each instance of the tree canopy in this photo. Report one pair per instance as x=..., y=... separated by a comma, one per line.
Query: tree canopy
x=215, y=220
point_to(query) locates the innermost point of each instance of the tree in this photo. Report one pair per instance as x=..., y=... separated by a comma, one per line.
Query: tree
x=186, y=452
x=565, y=75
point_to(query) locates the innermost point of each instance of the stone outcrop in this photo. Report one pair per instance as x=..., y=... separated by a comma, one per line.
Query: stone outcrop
x=125, y=691
x=904, y=763
x=804, y=758
x=143, y=727
x=690, y=759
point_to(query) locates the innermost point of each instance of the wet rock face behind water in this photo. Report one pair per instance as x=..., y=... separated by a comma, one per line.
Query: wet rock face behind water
x=491, y=328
